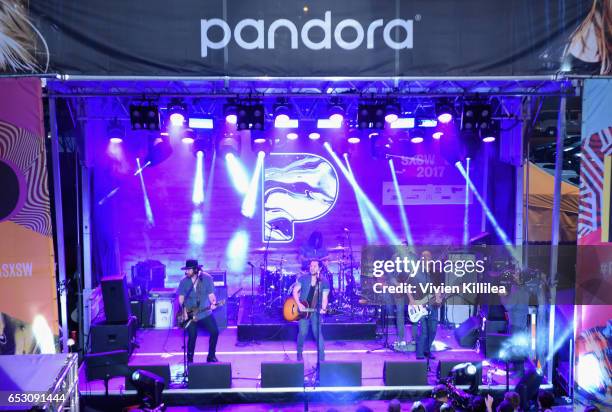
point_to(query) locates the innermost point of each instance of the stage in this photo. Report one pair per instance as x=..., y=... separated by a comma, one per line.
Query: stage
x=164, y=347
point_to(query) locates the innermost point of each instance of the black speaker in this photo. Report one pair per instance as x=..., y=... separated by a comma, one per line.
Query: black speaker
x=107, y=337
x=467, y=333
x=101, y=365
x=142, y=309
x=116, y=301
x=220, y=314
x=340, y=374
x=210, y=375
x=282, y=374
x=405, y=373
x=445, y=368
x=163, y=371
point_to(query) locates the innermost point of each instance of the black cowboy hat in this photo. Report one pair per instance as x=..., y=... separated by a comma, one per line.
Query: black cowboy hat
x=191, y=264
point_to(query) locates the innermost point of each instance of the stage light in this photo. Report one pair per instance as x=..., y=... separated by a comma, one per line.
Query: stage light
x=201, y=145
x=229, y=143
x=149, y=388
x=403, y=123
x=177, y=112
x=197, y=195
x=437, y=135
x=229, y=111
x=445, y=111
x=200, y=123
x=250, y=115
x=237, y=173
x=189, y=136
x=400, y=205
x=392, y=112
x=231, y=118
x=292, y=136
x=250, y=200
x=336, y=110
x=144, y=116
x=489, y=131
x=371, y=116
x=115, y=131
x=329, y=124
x=314, y=136
x=145, y=196
x=159, y=150
x=282, y=123
x=416, y=139
x=475, y=116
x=353, y=136
x=423, y=122
x=282, y=112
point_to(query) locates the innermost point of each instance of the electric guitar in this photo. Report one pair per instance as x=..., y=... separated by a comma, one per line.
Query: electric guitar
x=184, y=322
x=421, y=308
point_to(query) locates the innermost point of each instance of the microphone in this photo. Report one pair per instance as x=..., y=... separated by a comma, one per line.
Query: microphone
x=346, y=229
x=250, y=264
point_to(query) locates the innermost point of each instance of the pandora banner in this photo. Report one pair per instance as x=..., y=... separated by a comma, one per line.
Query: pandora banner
x=313, y=38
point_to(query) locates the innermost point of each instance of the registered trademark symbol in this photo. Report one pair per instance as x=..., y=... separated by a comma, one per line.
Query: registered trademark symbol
x=418, y=17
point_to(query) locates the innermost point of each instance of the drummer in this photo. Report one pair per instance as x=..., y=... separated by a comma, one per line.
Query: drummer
x=313, y=248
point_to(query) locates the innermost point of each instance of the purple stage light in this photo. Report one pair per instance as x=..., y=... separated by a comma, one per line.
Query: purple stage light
x=282, y=118
x=187, y=140
x=177, y=119
x=231, y=118
x=259, y=140
x=488, y=139
x=314, y=136
x=353, y=140
x=292, y=136
x=116, y=140
x=437, y=135
x=445, y=118
x=417, y=139
x=336, y=118
x=391, y=117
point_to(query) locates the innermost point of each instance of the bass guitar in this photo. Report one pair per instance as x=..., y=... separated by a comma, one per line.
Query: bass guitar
x=184, y=321
x=421, y=308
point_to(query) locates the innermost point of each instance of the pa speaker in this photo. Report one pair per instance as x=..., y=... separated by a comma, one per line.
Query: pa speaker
x=107, y=337
x=405, y=373
x=161, y=370
x=340, y=374
x=116, y=301
x=467, y=333
x=282, y=374
x=106, y=364
x=210, y=376
x=445, y=369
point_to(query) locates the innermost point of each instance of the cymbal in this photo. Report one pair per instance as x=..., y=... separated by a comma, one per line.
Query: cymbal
x=337, y=249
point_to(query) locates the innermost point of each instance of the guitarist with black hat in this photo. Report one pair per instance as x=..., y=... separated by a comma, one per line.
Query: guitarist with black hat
x=196, y=294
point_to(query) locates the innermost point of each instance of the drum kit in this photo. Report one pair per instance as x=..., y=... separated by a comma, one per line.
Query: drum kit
x=278, y=276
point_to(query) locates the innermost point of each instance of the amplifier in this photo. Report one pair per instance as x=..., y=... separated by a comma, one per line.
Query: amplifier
x=219, y=277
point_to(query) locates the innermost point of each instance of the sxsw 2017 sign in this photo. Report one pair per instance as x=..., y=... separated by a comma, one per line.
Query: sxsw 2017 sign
x=376, y=31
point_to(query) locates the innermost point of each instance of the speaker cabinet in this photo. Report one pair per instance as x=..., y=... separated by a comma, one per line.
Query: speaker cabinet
x=467, y=333
x=405, y=373
x=116, y=302
x=210, y=375
x=163, y=371
x=101, y=365
x=282, y=374
x=107, y=337
x=340, y=374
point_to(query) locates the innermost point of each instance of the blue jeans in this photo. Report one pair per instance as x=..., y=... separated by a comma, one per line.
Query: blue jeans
x=303, y=332
x=400, y=323
x=426, y=332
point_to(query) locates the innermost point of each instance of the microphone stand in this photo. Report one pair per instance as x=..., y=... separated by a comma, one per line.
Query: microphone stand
x=318, y=313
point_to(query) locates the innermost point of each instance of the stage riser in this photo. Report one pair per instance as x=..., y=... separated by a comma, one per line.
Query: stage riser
x=289, y=331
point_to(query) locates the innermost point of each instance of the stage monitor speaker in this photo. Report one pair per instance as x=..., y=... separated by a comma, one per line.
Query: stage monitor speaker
x=282, y=374
x=143, y=311
x=161, y=370
x=340, y=374
x=405, y=373
x=107, y=337
x=210, y=375
x=467, y=333
x=116, y=301
x=106, y=364
x=445, y=368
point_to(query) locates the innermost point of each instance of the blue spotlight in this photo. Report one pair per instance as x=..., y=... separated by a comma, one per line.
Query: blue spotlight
x=380, y=220
x=466, y=226
x=147, y=204
x=366, y=219
x=400, y=205
x=500, y=232
x=237, y=250
x=197, y=196
x=237, y=174
x=250, y=200
x=197, y=235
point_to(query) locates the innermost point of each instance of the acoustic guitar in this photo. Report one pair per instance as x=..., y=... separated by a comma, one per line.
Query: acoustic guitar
x=184, y=322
